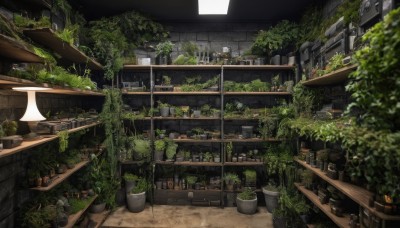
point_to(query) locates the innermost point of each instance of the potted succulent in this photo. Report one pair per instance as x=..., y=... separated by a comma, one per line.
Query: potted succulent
x=163, y=51
x=136, y=198
x=246, y=202
x=130, y=181
x=230, y=180
x=159, y=147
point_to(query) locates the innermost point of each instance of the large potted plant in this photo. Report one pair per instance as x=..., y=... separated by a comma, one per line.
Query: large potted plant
x=136, y=198
x=246, y=202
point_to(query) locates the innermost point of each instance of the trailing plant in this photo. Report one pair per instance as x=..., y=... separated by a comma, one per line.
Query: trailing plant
x=229, y=148
x=335, y=63
x=247, y=194
x=24, y=22
x=140, y=146
x=63, y=140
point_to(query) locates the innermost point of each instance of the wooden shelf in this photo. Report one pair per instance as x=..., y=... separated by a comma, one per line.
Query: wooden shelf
x=29, y=144
x=48, y=38
x=72, y=219
x=254, y=140
x=189, y=190
x=340, y=221
x=187, y=163
x=9, y=82
x=186, y=67
x=99, y=218
x=258, y=93
x=258, y=67
x=358, y=194
x=137, y=67
x=332, y=78
x=241, y=190
x=133, y=162
x=17, y=51
x=182, y=118
x=136, y=93
x=197, y=140
x=200, y=93
x=246, y=163
x=61, y=177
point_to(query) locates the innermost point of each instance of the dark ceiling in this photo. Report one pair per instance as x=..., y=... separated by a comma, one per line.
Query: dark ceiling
x=187, y=10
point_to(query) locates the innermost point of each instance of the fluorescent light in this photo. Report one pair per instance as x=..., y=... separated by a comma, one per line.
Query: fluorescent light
x=207, y=7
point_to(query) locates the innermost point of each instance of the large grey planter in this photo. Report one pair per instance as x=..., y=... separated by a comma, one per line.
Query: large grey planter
x=248, y=207
x=136, y=202
x=164, y=111
x=271, y=199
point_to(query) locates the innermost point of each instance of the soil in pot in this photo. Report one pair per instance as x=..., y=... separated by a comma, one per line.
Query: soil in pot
x=271, y=199
x=136, y=202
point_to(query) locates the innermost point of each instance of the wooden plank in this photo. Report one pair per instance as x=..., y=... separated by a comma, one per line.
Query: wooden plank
x=358, y=194
x=29, y=144
x=99, y=218
x=61, y=177
x=199, y=93
x=258, y=93
x=340, y=221
x=48, y=38
x=246, y=163
x=17, y=51
x=332, y=78
x=72, y=219
x=258, y=67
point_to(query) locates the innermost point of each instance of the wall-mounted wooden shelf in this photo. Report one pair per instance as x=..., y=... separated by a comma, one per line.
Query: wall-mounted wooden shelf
x=9, y=82
x=137, y=67
x=48, y=38
x=209, y=67
x=72, y=219
x=29, y=144
x=257, y=93
x=342, y=222
x=245, y=163
x=200, y=93
x=17, y=51
x=358, y=194
x=187, y=163
x=332, y=78
x=61, y=177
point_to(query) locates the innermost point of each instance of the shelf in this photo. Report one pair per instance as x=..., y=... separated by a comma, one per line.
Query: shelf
x=186, y=67
x=49, y=38
x=246, y=163
x=197, y=140
x=29, y=144
x=332, y=78
x=72, y=219
x=189, y=190
x=358, y=194
x=241, y=190
x=200, y=93
x=187, y=163
x=136, y=93
x=17, y=51
x=137, y=67
x=258, y=93
x=99, y=218
x=133, y=162
x=9, y=82
x=340, y=221
x=183, y=118
x=61, y=177
x=258, y=67
x=254, y=140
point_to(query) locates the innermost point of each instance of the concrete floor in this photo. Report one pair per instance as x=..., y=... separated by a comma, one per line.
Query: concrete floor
x=188, y=216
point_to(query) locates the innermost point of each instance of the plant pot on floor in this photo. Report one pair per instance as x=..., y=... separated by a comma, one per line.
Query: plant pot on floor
x=136, y=202
x=248, y=207
x=271, y=199
x=97, y=208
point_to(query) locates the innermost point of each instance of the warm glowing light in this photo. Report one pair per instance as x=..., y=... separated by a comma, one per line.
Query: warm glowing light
x=213, y=7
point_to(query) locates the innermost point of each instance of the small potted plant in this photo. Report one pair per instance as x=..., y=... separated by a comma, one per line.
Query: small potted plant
x=246, y=202
x=164, y=109
x=165, y=84
x=130, y=181
x=230, y=180
x=170, y=150
x=163, y=51
x=207, y=157
x=159, y=146
x=271, y=195
x=191, y=180
x=136, y=198
x=229, y=150
x=217, y=158
x=141, y=148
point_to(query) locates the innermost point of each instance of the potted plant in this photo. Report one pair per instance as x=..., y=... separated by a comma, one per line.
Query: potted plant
x=217, y=158
x=136, y=198
x=99, y=180
x=291, y=205
x=230, y=180
x=250, y=177
x=246, y=202
x=164, y=109
x=170, y=150
x=130, y=181
x=141, y=148
x=229, y=150
x=207, y=157
x=163, y=51
x=191, y=180
x=165, y=84
x=159, y=147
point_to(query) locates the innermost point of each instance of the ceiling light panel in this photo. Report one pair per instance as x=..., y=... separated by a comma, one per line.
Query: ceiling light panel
x=213, y=7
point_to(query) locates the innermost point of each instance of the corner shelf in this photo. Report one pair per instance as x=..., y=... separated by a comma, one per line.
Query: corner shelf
x=29, y=144
x=257, y=93
x=61, y=177
x=72, y=219
x=48, y=38
x=8, y=82
x=187, y=163
x=17, y=51
x=342, y=222
x=358, y=194
x=332, y=78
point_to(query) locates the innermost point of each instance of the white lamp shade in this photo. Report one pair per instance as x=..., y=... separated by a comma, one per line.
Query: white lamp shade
x=32, y=112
